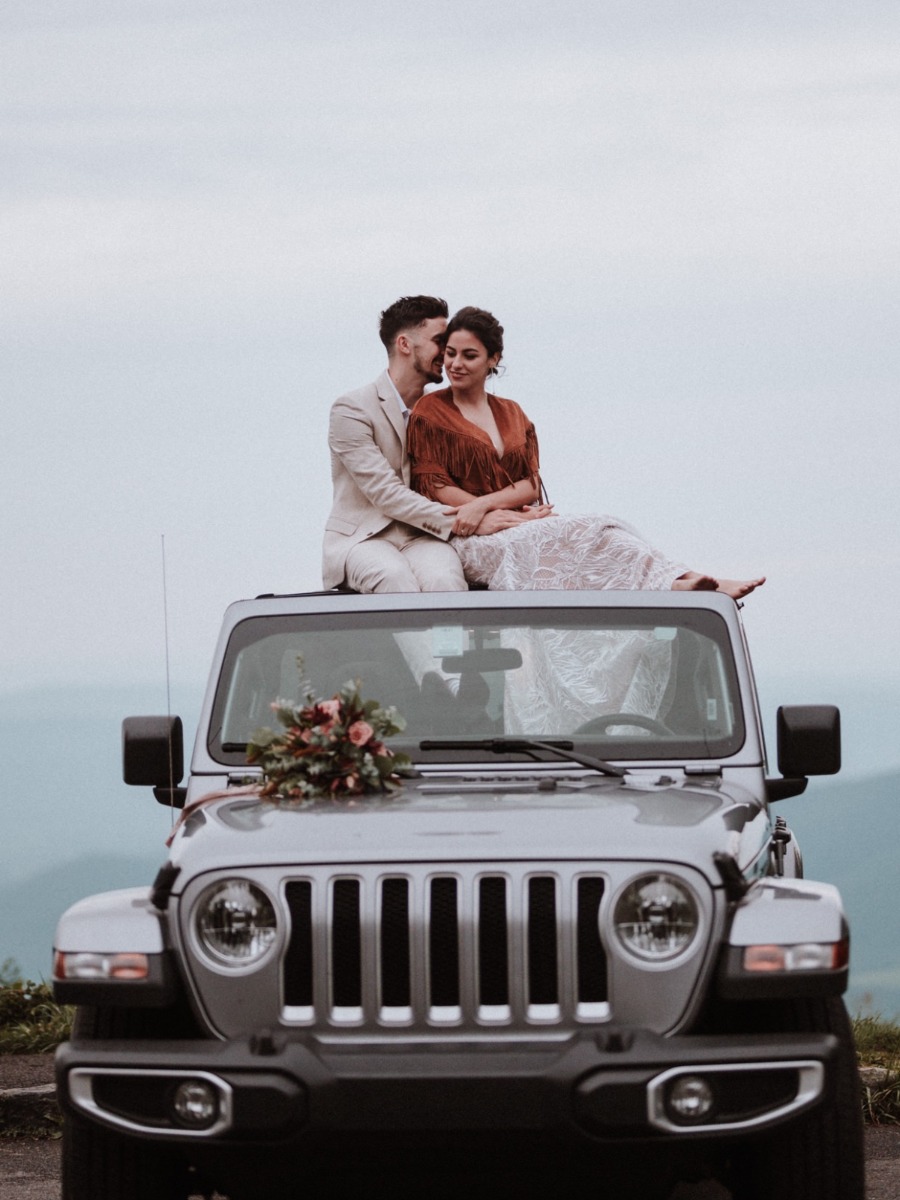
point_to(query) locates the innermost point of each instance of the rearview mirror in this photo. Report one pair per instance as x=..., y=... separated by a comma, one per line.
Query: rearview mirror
x=494, y=659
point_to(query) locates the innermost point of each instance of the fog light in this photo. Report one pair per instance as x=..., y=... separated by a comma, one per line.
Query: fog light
x=196, y=1104
x=690, y=1099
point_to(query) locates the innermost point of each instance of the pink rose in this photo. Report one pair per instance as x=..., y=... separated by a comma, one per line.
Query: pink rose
x=360, y=732
x=330, y=708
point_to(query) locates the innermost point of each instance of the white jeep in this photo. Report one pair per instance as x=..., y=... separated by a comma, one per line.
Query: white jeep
x=574, y=950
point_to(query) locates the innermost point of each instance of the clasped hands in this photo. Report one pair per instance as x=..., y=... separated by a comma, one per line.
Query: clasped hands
x=473, y=518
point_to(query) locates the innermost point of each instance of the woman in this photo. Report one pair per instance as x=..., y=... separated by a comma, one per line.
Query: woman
x=479, y=452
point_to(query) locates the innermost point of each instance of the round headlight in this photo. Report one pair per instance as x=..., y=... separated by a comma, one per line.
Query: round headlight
x=656, y=917
x=235, y=923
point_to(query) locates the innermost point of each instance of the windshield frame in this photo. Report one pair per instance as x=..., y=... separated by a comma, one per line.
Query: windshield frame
x=693, y=617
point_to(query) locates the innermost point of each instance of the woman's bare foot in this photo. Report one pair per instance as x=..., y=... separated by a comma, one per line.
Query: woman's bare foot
x=693, y=581
x=738, y=588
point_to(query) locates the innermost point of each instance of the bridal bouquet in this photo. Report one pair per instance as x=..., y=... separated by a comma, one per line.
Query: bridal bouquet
x=328, y=748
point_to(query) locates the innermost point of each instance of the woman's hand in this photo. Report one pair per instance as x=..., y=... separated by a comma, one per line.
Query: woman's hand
x=506, y=518
x=470, y=511
x=470, y=515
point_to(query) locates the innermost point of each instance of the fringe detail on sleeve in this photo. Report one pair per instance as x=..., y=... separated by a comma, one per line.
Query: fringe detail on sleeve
x=427, y=483
x=532, y=455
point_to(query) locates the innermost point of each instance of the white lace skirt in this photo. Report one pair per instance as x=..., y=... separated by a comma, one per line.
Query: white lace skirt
x=590, y=553
x=573, y=676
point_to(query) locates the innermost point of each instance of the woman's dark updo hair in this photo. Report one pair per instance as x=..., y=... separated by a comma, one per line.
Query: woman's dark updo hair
x=483, y=324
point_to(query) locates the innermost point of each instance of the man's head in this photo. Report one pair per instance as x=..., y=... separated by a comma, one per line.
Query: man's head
x=412, y=330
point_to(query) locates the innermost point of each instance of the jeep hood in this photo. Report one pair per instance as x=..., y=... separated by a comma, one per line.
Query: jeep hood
x=463, y=821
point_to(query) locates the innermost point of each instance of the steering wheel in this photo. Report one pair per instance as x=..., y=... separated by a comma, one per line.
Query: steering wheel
x=601, y=724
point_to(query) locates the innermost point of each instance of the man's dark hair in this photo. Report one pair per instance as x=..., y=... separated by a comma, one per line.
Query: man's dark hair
x=407, y=313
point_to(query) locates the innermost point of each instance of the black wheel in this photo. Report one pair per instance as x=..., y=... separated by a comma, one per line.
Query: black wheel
x=819, y=1156
x=601, y=724
x=822, y=1157
x=100, y=1164
x=148, y=1024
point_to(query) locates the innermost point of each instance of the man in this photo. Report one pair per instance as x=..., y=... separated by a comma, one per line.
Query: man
x=382, y=536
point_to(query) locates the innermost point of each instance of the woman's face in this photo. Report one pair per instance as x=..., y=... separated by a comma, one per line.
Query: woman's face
x=466, y=360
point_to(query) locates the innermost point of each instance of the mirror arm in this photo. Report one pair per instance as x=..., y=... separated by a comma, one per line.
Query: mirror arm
x=782, y=789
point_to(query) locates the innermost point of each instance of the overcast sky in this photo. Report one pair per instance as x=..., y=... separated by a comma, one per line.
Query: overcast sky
x=685, y=215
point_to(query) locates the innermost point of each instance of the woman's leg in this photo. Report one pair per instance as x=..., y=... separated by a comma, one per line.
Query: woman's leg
x=582, y=553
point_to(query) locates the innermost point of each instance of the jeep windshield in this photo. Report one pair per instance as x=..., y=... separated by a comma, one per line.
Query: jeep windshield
x=618, y=683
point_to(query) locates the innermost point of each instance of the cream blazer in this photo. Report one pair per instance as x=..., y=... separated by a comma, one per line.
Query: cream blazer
x=370, y=475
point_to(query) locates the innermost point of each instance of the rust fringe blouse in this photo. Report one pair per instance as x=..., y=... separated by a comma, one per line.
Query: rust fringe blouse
x=446, y=449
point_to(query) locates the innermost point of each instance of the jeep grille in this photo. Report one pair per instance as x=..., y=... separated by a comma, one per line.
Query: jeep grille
x=511, y=946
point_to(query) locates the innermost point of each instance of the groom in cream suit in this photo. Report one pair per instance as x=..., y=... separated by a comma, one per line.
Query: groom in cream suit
x=382, y=536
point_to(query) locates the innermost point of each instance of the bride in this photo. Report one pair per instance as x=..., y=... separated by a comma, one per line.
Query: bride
x=477, y=452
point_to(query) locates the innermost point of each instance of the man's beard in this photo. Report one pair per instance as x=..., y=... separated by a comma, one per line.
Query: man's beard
x=432, y=373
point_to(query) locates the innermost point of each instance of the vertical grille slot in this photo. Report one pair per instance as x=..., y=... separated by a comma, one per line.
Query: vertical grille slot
x=298, y=961
x=543, y=986
x=394, y=951
x=443, y=950
x=346, y=950
x=590, y=955
x=493, y=949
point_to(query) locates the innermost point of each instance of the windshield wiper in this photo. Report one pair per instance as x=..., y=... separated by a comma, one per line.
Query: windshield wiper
x=502, y=745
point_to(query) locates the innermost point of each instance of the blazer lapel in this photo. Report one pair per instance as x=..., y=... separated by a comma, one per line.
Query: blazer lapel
x=391, y=408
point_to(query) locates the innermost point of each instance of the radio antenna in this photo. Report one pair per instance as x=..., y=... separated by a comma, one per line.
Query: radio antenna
x=162, y=538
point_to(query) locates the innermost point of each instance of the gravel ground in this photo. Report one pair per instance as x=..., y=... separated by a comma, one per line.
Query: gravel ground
x=25, y=1070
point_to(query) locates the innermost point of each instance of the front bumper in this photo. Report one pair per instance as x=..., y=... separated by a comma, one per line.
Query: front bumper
x=612, y=1086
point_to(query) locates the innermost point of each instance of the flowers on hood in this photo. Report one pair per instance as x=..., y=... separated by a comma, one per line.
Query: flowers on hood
x=328, y=748
x=360, y=732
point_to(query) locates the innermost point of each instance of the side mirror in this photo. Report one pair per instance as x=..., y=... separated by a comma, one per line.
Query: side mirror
x=153, y=756
x=809, y=740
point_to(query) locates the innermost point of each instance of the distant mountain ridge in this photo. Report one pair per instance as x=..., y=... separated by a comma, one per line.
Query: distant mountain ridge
x=848, y=836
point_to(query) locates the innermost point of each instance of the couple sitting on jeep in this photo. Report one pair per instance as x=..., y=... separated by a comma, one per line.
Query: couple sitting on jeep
x=438, y=491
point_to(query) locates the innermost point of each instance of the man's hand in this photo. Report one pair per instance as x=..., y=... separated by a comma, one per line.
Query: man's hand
x=505, y=518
